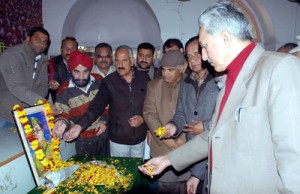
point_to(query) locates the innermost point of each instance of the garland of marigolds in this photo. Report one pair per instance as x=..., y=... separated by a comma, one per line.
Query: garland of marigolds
x=87, y=176
x=54, y=162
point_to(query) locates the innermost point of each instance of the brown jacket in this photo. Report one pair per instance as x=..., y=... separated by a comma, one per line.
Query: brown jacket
x=17, y=85
x=159, y=108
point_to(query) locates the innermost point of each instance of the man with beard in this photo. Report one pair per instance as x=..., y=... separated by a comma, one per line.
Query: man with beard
x=145, y=59
x=103, y=60
x=58, y=71
x=124, y=91
x=145, y=63
x=73, y=99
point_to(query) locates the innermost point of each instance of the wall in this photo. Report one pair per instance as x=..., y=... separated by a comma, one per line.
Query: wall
x=179, y=19
x=16, y=18
x=16, y=177
x=285, y=20
x=15, y=172
x=12, y=162
x=115, y=21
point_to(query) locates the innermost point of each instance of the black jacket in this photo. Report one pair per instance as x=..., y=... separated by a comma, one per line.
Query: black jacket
x=123, y=104
x=61, y=73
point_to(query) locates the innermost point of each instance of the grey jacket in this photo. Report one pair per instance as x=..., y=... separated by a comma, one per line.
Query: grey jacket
x=259, y=127
x=17, y=85
x=196, y=103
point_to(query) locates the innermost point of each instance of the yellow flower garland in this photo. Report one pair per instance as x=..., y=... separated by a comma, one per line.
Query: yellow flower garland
x=54, y=162
x=102, y=176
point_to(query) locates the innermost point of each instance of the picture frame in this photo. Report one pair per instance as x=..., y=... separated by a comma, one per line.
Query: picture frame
x=39, y=123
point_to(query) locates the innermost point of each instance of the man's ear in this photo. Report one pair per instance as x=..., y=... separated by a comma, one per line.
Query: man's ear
x=226, y=37
x=184, y=66
x=27, y=39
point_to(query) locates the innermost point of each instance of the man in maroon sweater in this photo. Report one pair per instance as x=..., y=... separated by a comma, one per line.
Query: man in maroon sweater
x=73, y=99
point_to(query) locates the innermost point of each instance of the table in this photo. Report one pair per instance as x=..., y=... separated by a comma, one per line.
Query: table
x=138, y=185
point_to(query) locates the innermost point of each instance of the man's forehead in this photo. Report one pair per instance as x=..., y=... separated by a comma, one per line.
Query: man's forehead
x=103, y=50
x=193, y=45
x=40, y=35
x=201, y=34
x=122, y=54
x=80, y=67
x=142, y=50
x=169, y=68
x=69, y=43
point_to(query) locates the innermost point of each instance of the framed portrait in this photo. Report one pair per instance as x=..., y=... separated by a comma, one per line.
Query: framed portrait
x=36, y=139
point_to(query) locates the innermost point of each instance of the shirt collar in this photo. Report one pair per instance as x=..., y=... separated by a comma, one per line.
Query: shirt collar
x=236, y=65
x=110, y=70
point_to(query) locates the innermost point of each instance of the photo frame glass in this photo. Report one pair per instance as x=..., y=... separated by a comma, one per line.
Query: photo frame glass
x=40, y=137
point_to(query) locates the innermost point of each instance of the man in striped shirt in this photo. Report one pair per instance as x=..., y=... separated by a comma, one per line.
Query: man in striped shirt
x=73, y=99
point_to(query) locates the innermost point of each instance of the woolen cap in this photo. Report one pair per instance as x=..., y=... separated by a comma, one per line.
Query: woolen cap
x=79, y=58
x=172, y=58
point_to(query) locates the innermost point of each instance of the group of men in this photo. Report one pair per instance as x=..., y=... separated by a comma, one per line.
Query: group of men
x=87, y=92
x=241, y=118
x=252, y=143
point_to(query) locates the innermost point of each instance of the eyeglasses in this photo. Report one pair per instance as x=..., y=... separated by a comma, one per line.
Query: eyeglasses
x=103, y=56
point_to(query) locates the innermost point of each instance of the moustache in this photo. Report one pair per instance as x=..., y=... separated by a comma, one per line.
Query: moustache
x=143, y=62
x=104, y=62
x=121, y=68
x=81, y=82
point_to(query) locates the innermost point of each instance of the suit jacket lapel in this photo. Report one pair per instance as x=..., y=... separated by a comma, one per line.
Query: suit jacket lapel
x=239, y=88
x=221, y=84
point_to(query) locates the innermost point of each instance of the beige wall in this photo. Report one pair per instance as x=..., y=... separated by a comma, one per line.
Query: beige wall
x=179, y=19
